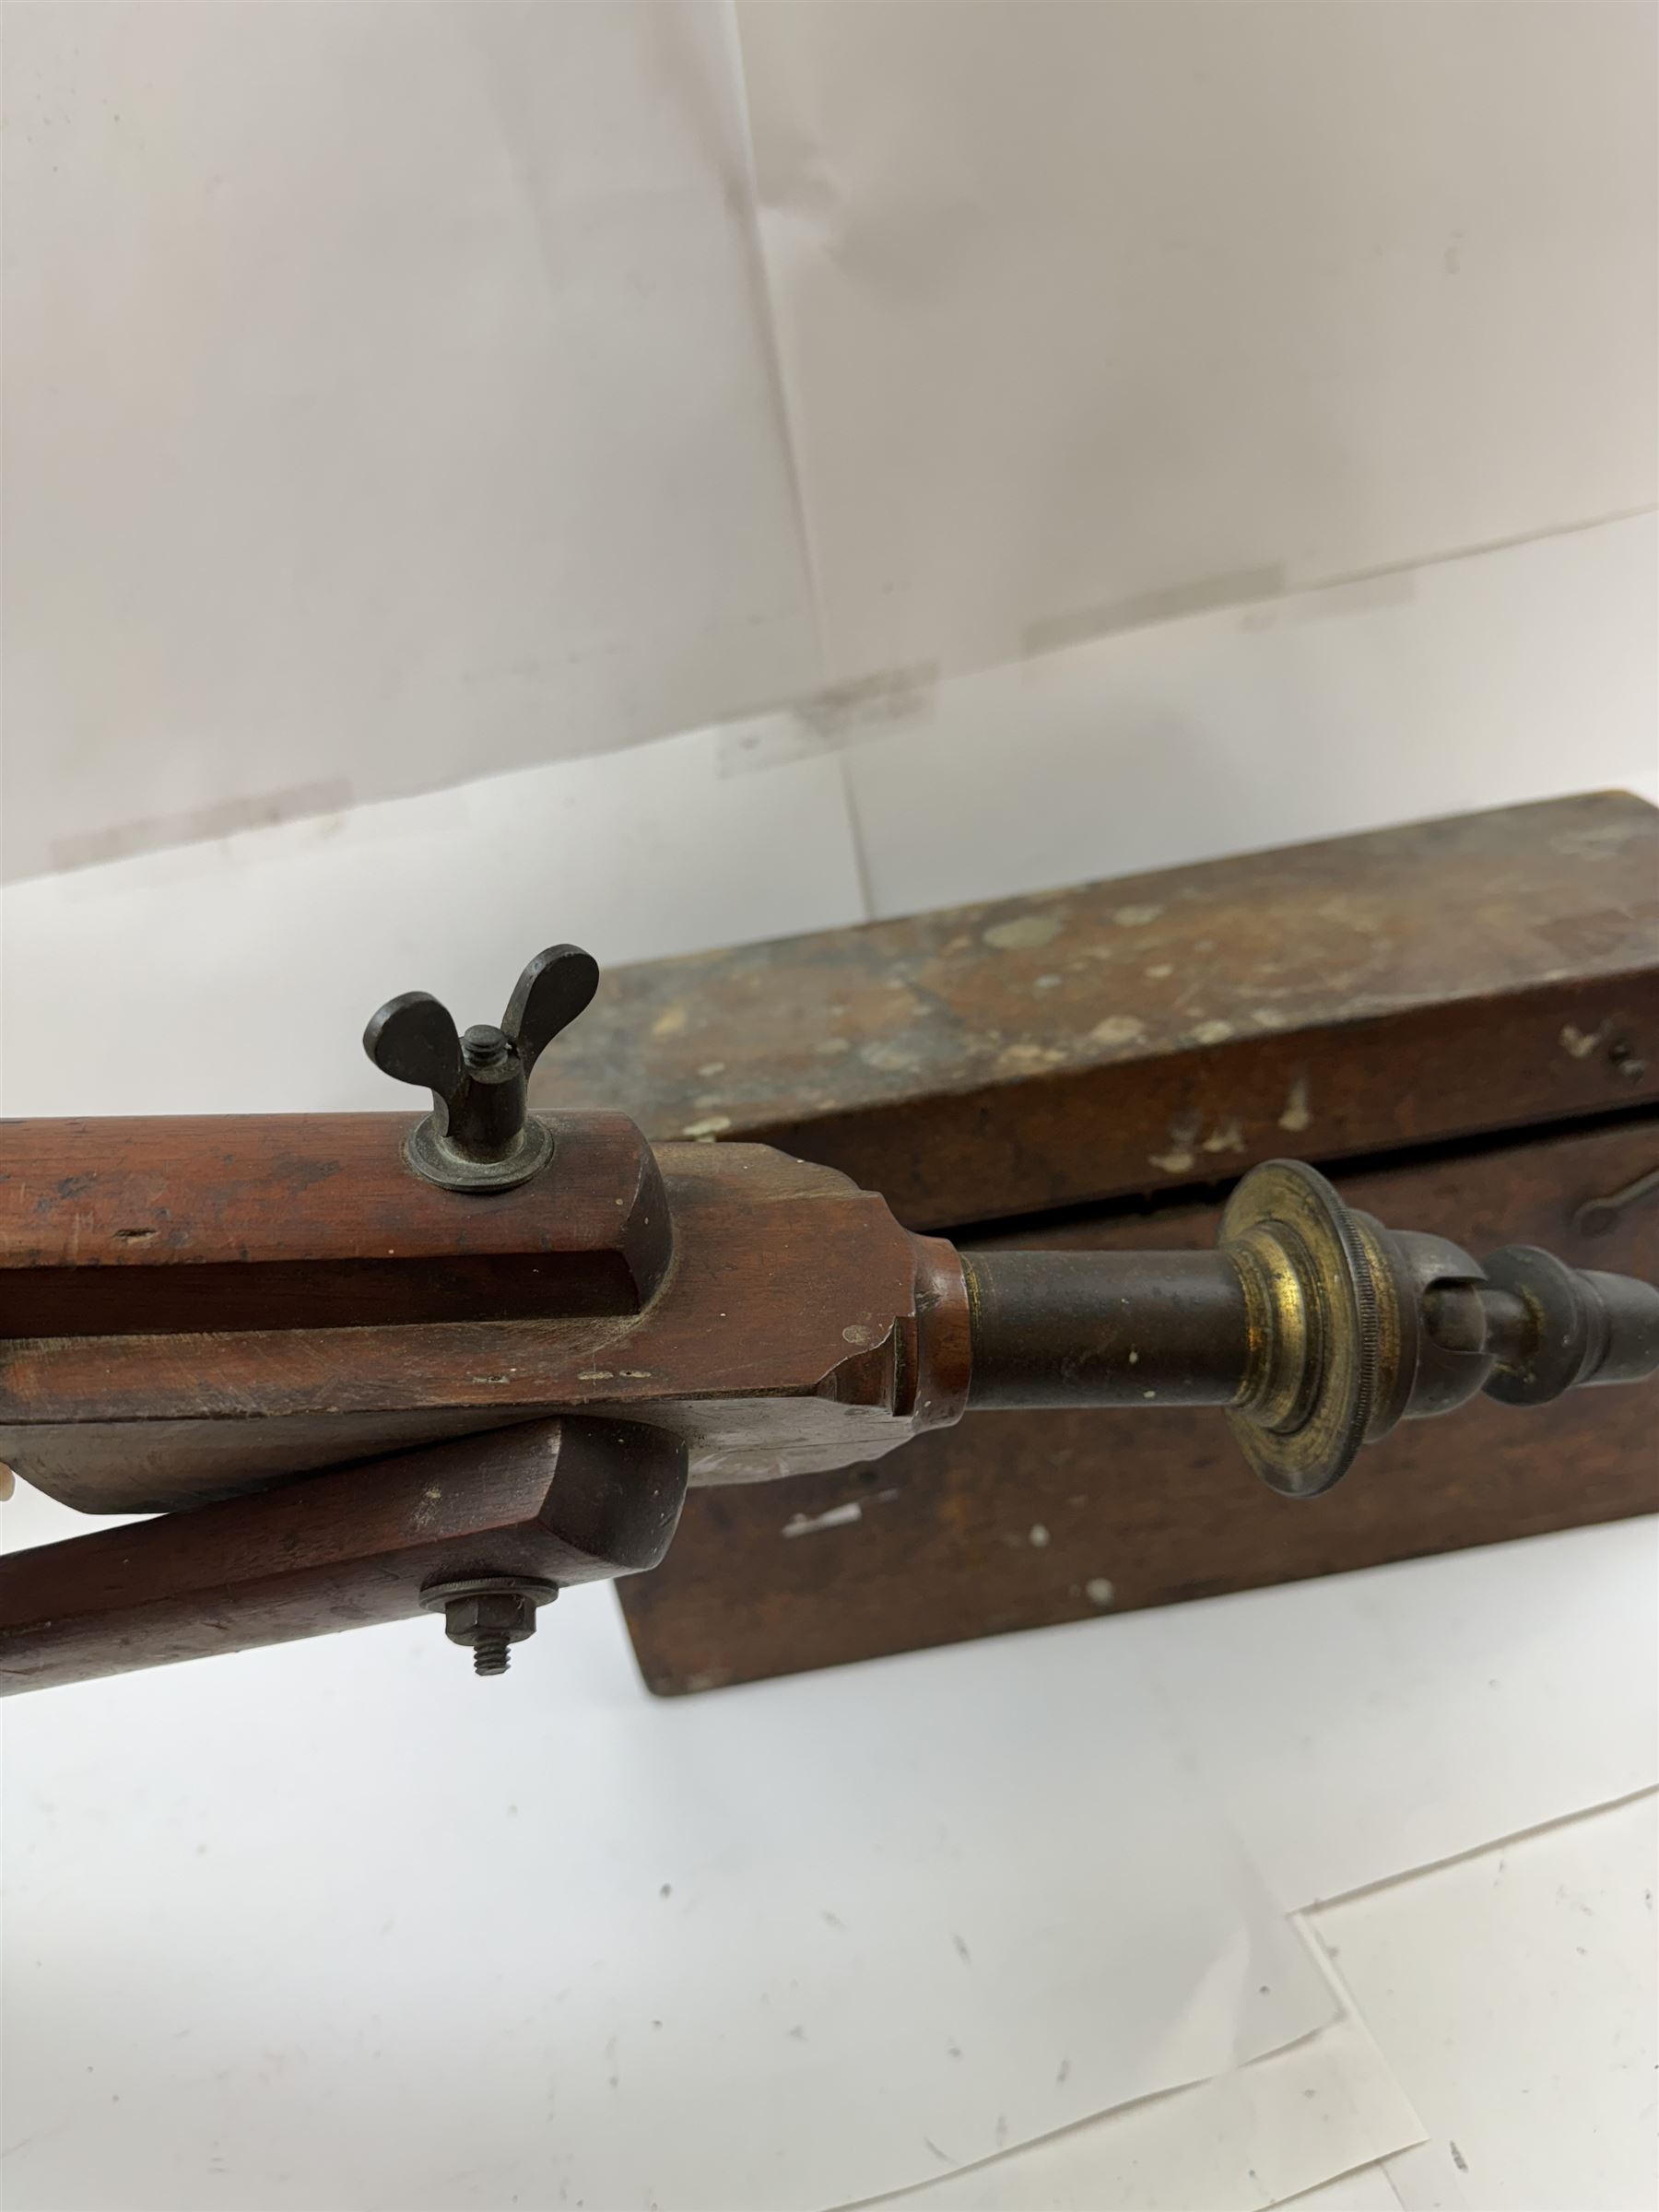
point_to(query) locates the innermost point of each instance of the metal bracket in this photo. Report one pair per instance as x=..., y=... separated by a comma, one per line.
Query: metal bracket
x=1597, y=1216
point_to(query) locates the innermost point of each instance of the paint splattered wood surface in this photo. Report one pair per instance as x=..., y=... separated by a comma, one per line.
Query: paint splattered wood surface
x=1356, y=995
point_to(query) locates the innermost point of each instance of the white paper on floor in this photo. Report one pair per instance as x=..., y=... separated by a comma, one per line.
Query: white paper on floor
x=1367, y=2190
x=1450, y=687
x=445, y=438
x=1516, y=1995
x=278, y=944
x=1013, y=254
x=339, y=1923
x=1254, y=2136
x=1364, y=1725
x=1425, y=2179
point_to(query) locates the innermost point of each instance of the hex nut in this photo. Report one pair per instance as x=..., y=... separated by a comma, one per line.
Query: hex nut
x=503, y=1613
x=489, y=1613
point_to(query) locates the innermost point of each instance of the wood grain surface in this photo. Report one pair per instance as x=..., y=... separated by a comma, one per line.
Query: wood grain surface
x=220, y=1222
x=799, y=1327
x=1402, y=987
x=559, y=1501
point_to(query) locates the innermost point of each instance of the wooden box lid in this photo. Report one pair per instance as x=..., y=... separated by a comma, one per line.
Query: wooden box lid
x=1481, y=972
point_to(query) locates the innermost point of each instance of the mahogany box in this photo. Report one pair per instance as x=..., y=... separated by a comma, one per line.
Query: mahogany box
x=1458, y=1020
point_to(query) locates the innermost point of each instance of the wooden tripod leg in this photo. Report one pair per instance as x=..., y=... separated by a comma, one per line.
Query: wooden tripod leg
x=546, y=1505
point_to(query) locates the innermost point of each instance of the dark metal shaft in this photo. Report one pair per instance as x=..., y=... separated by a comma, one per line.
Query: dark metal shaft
x=1316, y=1327
x=1107, y=1328
x=1627, y=1345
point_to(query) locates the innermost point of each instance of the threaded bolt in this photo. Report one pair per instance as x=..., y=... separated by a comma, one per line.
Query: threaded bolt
x=488, y=1614
x=483, y=1045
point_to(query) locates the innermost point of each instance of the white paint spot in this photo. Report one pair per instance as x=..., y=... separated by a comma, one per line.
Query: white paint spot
x=669, y=1023
x=957, y=945
x=1136, y=917
x=1038, y=1537
x=857, y=1332
x=1296, y=1114
x=891, y=1058
x=711, y=1125
x=1024, y=934
x=1099, y=1591
x=596, y=1374
x=1212, y=1032
x=713, y=1068
x=1160, y=973
x=837, y=1516
x=1135, y=1359
x=1148, y=1393
x=1574, y=1041
x=1047, y=982
x=1225, y=1137
x=1117, y=1029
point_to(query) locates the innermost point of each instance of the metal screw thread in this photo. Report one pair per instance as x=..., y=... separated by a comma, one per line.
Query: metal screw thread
x=491, y=1656
x=483, y=1046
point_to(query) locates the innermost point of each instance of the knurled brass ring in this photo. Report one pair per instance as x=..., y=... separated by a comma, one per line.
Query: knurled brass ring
x=1309, y=1281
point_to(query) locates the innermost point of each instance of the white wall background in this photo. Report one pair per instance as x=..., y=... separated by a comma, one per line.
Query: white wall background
x=399, y=395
